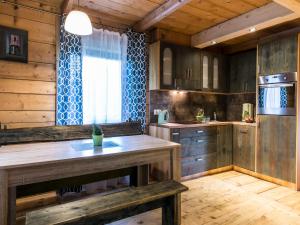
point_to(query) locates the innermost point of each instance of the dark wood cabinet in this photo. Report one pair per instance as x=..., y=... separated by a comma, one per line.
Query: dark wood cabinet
x=204, y=148
x=167, y=68
x=278, y=56
x=179, y=67
x=242, y=70
x=244, y=146
x=199, y=148
x=224, y=146
x=276, y=150
x=188, y=68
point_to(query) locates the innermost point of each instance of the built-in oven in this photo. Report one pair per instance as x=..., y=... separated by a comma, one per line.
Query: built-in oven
x=277, y=94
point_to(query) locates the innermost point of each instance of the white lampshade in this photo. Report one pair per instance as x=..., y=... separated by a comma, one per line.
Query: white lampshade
x=78, y=23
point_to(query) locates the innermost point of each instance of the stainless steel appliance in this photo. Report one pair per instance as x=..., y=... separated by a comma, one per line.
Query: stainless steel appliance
x=277, y=94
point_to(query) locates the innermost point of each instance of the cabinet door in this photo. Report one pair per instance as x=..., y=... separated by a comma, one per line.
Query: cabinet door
x=167, y=66
x=194, y=70
x=244, y=146
x=224, y=146
x=278, y=56
x=188, y=70
x=276, y=150
x=243, y=71
x=181, y=66
x=206, y=71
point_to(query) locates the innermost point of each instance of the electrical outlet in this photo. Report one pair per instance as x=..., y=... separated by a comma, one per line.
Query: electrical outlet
x=156, y=111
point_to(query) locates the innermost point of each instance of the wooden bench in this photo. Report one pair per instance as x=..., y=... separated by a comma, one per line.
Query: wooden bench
x=99, y=209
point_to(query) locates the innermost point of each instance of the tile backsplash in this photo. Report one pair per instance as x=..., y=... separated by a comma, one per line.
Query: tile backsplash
x=183, y=106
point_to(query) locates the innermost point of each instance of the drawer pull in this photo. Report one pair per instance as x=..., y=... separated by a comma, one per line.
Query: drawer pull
x=175, y=134
x=200, y=141
x=198, y=159
x=200, y=131
x=245, y=131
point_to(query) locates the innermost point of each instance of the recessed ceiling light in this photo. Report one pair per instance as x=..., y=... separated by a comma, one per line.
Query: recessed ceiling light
x=252, y=29
x=213, y=42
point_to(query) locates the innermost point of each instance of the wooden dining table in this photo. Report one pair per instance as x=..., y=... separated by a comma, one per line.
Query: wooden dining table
x=26, y=164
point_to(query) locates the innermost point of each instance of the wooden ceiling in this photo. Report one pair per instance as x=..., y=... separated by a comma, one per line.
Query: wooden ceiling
x=201, y=14
x=189, y=17
x=193, y=17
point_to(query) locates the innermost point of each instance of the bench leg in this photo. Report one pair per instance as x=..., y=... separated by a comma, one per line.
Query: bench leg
x=170, y=212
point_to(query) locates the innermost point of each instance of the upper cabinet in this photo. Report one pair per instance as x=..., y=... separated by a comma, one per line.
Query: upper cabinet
x=278, y=56
x=162, y=58
x=185, y=68
x=188, y=68
x=243, y=71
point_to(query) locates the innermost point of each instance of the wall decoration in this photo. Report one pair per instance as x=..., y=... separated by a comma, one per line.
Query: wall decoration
x=13, y=44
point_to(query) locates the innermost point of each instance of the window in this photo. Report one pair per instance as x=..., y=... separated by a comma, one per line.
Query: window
x=102, y=94
x=104, y=56
x=205, y=72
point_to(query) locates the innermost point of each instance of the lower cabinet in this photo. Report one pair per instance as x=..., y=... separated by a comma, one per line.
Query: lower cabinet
x=244, y=146
x=211, y=147
x=204, y=148
x=276, y=147
x=224, y=146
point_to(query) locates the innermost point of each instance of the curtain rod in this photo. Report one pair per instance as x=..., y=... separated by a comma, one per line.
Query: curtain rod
x=29, y=7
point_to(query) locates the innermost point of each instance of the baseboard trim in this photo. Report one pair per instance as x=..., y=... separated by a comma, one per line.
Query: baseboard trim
x=244, y=171
x=265, y=177
x=206, y=173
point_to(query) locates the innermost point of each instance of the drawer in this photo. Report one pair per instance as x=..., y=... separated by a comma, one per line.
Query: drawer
x=198, y=164
x=198, y=146
x=198, y=131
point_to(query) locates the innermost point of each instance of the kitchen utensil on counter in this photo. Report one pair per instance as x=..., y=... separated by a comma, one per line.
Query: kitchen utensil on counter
x=163, y=117
x=200, y=116
x=247, y=115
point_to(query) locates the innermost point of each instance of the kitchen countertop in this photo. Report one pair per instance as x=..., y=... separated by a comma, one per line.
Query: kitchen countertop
x=212, y=123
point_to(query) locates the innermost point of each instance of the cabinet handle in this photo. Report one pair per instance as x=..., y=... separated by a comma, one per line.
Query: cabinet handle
x=175, y=134
x=245, y=131
x=191, y=72
x=200, y=141
x=198, y=159
x=200, y=131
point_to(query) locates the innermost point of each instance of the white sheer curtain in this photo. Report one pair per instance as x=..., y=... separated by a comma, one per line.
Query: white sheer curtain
x=104, y=55
x=272, y=96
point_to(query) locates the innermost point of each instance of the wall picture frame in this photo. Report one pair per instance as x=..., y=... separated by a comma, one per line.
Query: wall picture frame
x=13, y=44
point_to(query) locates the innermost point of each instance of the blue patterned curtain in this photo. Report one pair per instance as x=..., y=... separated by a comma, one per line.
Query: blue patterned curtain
x=69, y=82
x=134, y=83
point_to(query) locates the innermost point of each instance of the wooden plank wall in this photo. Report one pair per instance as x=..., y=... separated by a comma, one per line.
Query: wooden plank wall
x=28, y=91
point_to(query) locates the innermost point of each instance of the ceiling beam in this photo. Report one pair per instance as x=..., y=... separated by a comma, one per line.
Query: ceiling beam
x=293, y=5
x=67, y=6
x=260, y=18
x=160, y=13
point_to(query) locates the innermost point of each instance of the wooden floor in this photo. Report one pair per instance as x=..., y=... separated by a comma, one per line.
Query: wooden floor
x=231, y=198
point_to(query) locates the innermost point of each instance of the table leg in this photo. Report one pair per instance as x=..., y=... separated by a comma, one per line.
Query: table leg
x=143, y=175
x=176, y=175
x=3, y=197
x=12, y=206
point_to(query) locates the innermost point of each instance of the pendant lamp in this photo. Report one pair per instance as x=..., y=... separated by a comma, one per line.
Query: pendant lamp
x=79, y=23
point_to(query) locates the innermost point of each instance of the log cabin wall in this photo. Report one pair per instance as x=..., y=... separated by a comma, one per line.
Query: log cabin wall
x=28, y=91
